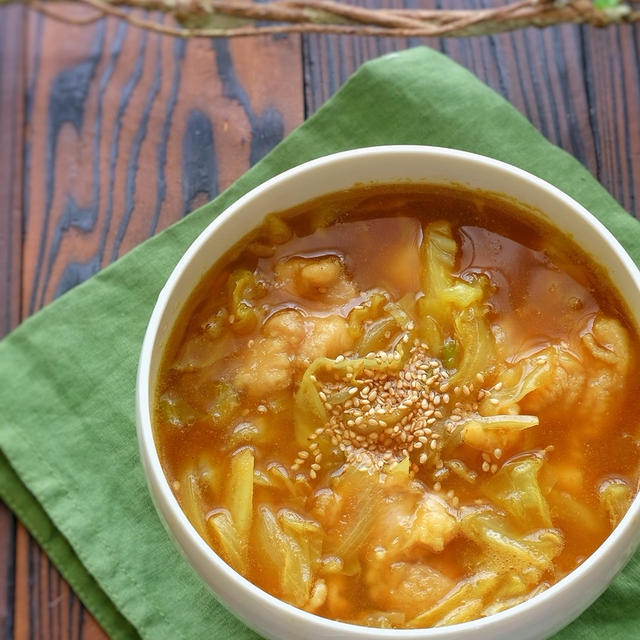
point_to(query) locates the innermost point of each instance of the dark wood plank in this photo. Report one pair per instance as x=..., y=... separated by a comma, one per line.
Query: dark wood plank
x=12, y=22
x=126, y=132
x=612, y=67
x=8, y=525
x=174, y=124
x=577, y=85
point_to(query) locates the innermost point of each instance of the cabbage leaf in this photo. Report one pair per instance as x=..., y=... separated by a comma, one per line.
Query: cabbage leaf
x=283, y=555
x=244, y=289
x=515, y=489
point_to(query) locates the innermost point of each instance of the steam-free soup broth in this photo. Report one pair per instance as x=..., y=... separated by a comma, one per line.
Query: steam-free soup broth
x=403, y=406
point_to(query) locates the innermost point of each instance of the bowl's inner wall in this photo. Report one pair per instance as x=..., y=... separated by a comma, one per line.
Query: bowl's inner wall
x=322, y=177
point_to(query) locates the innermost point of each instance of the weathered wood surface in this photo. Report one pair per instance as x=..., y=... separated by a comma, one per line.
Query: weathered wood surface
x=108, y=134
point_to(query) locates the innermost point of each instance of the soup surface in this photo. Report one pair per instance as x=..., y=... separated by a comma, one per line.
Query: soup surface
x=402, y=406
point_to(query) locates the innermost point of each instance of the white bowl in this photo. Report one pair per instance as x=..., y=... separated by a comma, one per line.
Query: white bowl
x=536, y=618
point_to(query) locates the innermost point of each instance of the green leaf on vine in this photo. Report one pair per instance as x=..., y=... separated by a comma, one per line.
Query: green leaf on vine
x=605, y=4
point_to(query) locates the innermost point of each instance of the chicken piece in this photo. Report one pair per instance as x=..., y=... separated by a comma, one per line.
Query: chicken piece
x=288, y=325
x=566, y=382
x=309, y=337
x=488, y=440
x=583, y=380
x=326, y=337
x=609, y=343
x=407, y=587
x=323, y=279
x=407, y=521
x=432, y=524
x=327, y=507
x=266, y=368
x=290, y=342
x=588, y=383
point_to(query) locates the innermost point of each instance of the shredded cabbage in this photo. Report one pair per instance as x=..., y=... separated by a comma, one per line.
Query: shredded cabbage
x=476, y=343
x=243, y=289
x=518, y=381
x=361, y=494
x=239, y=493
x=452, y=320
x=530, y=555
x=615, y=498
x=223, y=529
x=473, y=588
x=503, y=603
x=283, y=555
x=515, y=489
x=487, y=433
x=368, y=310
x=438, y=253
x=224, y=403
x=191, y=503
x=176, y=410
x=276, y=230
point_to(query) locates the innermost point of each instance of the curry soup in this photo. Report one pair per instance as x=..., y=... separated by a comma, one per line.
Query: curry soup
x=402, y=406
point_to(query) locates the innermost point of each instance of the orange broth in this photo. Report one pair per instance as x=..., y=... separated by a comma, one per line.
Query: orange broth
x=458, y=518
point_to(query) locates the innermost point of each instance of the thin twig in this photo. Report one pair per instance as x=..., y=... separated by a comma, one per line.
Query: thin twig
x=237, y=18
x=56, y=14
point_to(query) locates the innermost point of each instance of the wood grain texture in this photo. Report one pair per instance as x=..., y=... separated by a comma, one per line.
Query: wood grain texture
x=147, y=128
x=577, y=85
x=612, y=69
x=125, y=132
x=12, y=21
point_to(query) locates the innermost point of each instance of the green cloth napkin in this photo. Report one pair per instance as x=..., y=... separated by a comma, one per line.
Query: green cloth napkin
x=69, y=466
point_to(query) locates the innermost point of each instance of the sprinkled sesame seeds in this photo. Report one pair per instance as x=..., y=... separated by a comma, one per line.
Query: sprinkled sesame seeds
x=380, y=415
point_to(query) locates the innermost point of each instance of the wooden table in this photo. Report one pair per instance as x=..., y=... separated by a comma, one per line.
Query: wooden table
x=108, y=134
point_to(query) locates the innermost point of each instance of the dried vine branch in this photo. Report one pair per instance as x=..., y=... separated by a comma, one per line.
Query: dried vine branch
x=224, y=18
